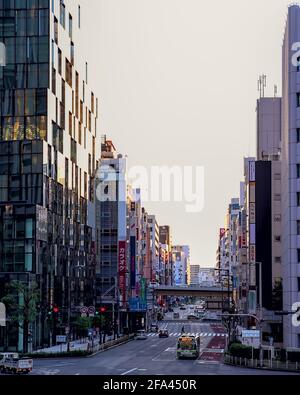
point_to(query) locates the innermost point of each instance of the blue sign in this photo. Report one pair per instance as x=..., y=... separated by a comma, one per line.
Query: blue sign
x=136, y=304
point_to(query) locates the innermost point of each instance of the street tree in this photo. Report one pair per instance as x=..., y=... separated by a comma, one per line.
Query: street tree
x=21, y=300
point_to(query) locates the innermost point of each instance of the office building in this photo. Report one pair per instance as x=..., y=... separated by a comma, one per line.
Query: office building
x=49, y=151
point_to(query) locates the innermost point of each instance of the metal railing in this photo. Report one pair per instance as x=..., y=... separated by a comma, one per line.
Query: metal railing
x=271, y=364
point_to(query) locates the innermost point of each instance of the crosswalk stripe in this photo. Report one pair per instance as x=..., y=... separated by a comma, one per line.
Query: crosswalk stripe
x=202, y=334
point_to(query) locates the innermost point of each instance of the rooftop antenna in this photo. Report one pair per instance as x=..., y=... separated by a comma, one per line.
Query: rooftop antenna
x=262, y=83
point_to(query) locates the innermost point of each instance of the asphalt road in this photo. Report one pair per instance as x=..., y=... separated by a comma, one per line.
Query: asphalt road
x=153, y=356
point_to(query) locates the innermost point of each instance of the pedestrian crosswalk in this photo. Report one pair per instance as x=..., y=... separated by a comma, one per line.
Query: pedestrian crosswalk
x=177, y=334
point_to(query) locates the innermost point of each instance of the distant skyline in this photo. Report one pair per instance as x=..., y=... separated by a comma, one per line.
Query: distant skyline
x=178, y=86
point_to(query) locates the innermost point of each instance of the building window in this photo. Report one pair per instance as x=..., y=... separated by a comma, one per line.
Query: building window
x=55, y=30
x=59, y=61
x=79, y=16
x=298, y=228
x=298, y=199
x=53, y=81
x=298, y=135
x=298, y=255
x=277, y=176
x=70, y=27
x=298, y=170
x=277, y=197
x=277, y=239
x=298, y=284
x=93, y=102
x=69, y=73
x=72, y=53
x=62, y=14
x=277, y=259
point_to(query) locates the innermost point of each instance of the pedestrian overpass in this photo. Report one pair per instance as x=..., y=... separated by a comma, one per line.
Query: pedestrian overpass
x=215, y=297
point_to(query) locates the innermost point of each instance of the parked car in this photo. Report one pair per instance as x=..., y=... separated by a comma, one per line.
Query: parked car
x=171, y=310
x=141, y=335
x=182, y=308
x=176, y=316
x=163, y=333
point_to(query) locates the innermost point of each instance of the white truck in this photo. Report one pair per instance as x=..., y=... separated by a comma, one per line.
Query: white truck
x=12, y=363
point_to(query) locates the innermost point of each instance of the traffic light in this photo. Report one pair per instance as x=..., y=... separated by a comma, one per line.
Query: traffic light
x=55, y=310
x=102, y=310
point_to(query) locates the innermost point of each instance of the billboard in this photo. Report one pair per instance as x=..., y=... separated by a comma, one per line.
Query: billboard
x=122, y=270
x=137, y=304
x=222, y=232
x=252, y=302
x=251, y=171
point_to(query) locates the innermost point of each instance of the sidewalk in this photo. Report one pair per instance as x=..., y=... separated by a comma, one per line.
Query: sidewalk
x=77, y=345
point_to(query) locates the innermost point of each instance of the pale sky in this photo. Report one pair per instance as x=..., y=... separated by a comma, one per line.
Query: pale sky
x=177, y=83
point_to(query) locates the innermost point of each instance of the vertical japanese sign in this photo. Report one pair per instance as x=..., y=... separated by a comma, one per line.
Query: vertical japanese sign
x=132, y=262
x=122, y=270
x=143, y=294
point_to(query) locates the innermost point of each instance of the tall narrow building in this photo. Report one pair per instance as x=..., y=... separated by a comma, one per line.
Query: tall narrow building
x=291, y=174
x=49, y=148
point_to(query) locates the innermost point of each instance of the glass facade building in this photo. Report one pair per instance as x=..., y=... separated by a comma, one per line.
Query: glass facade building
x=48, y=158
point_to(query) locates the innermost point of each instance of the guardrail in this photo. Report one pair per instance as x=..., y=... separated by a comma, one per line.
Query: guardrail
x=112, y=343
x=269, y=364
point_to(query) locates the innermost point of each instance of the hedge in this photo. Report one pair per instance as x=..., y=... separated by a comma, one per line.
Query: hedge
x=78, y=353
x=242, y=351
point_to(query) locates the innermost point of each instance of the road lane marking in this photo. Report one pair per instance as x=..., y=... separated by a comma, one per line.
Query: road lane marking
x=129, y=371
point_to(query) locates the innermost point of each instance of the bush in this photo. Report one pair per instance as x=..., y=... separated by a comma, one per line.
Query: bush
x=241, y=351
x=71, y=354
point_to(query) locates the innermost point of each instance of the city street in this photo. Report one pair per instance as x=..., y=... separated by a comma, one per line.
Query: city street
x=153, y=356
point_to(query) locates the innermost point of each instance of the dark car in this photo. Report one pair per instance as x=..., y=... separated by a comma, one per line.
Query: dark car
x=170, y=310
x=182, y=308
x=163, y=333
x=192, y=317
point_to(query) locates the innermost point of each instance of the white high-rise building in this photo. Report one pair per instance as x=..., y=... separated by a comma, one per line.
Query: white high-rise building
x=291, y=175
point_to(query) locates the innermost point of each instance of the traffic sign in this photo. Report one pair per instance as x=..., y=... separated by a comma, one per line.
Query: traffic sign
x=251, y=334
x=61, y=339
x=91, y=310
x=84, y=310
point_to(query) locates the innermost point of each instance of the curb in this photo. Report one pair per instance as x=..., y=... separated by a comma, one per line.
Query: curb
x=264, y=368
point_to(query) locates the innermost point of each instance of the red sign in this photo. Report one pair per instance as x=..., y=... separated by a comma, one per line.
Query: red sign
x=222, y=232
x=122, y=270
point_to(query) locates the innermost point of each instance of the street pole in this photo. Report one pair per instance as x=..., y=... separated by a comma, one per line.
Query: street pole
x=228, y=288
